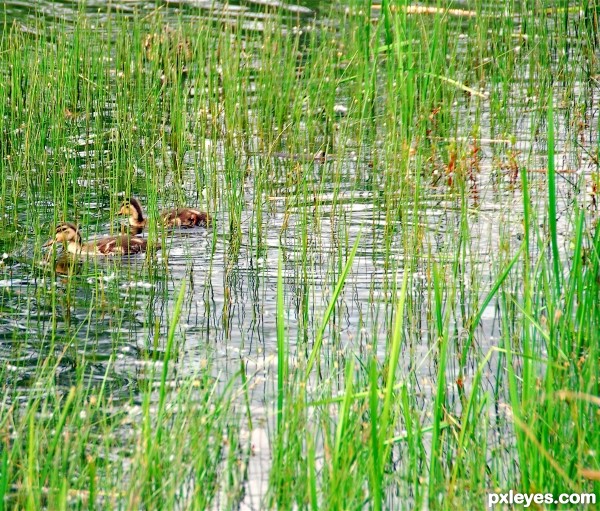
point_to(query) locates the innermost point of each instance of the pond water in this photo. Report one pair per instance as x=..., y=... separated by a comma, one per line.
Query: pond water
x=123, y=307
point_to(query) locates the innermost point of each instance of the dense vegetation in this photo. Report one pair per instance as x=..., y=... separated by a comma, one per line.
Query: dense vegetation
x=397, y=306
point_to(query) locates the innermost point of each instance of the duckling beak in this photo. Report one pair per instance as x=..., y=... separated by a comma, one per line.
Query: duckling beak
x=49, y=243
x=123, y=210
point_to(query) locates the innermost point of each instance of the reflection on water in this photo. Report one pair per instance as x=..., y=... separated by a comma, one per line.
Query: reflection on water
x=26, y=13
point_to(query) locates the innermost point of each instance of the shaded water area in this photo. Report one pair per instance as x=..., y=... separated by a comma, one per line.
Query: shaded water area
x=296, y=188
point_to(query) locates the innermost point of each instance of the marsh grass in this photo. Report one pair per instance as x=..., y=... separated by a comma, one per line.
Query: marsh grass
x=427, y=184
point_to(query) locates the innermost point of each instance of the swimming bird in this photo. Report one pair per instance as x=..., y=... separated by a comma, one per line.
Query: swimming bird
x=69, y=234
x=180, y=217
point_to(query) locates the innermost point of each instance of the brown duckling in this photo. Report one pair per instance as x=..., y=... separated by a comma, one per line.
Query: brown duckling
x=69, y=234
x=180, y=217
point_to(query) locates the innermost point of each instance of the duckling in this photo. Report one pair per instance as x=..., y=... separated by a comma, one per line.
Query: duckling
x=185, y=217
x=180, y=217
x=69, y=234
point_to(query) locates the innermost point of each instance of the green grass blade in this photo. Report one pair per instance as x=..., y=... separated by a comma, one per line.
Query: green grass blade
x=167, y=358
x=281, y=351
x=336, y=293
x=394, y=355
x=552, y=197
x=485, y=303
x=440, y=395
x=345, y=410
x=376, y=468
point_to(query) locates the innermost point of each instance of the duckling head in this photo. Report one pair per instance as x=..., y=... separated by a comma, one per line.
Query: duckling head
x=132, y=208
x=65, y=232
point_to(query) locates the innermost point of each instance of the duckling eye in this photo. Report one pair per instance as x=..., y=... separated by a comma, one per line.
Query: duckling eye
x=62, y=229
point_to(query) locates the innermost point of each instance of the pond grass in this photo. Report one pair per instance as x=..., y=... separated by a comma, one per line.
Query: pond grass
x=421, y=361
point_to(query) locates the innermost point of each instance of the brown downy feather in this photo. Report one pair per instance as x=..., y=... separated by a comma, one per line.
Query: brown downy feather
x=181, y=217
x=69, y=234
x=123, y=245
x=186, y=217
